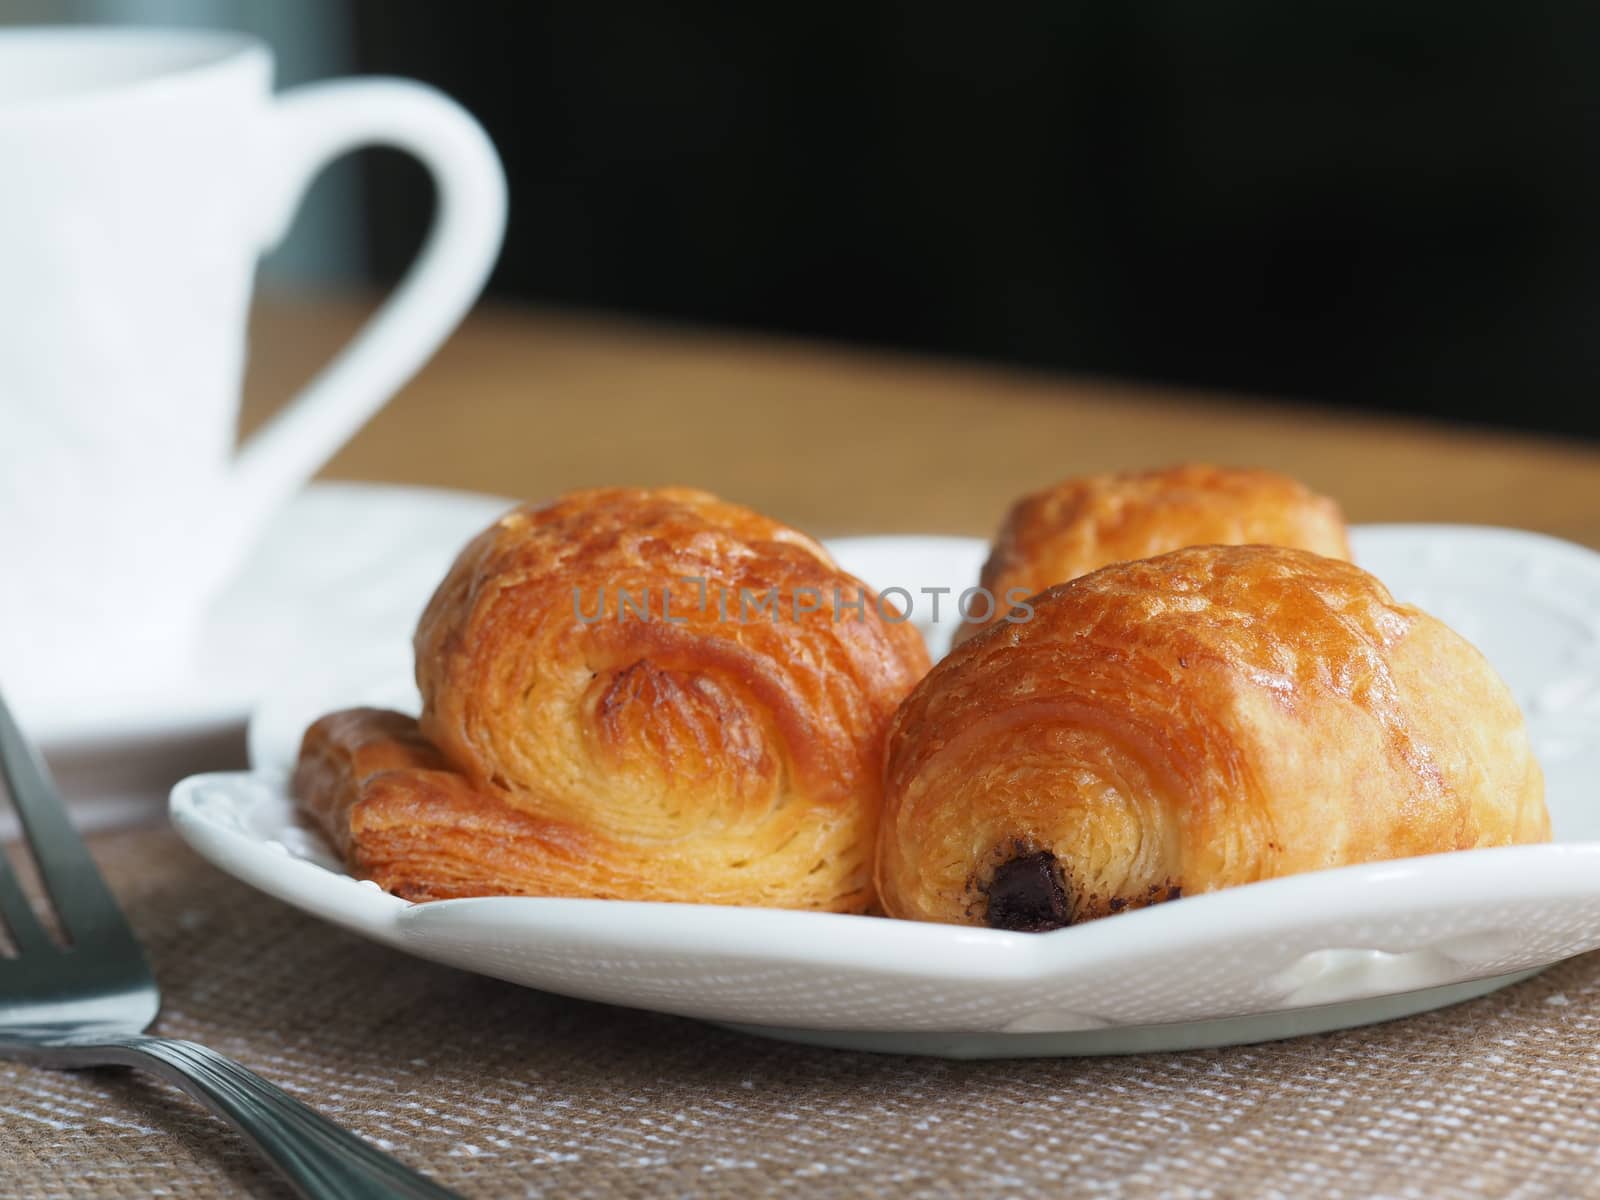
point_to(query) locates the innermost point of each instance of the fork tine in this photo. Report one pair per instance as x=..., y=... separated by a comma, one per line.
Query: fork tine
x=17, y=914
x=87, y=909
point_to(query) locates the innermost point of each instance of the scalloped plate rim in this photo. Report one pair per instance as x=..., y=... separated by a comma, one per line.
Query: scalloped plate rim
x=1544, y=871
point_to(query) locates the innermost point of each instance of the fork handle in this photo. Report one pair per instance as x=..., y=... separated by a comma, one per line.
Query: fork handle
x=321, y=1160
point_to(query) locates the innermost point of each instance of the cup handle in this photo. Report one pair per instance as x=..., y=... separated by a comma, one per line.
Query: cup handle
x=309, y=127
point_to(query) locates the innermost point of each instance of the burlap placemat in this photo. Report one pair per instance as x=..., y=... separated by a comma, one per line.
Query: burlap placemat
x=500, y=1091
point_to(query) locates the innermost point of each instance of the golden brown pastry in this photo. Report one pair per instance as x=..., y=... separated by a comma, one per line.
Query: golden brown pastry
x=635, y=694
x=1206, y=718
x=1084, y=524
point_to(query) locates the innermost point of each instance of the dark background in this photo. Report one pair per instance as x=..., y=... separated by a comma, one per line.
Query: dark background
x=1389, y=206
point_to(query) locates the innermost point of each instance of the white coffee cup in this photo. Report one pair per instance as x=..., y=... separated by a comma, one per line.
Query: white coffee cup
x=142, y=173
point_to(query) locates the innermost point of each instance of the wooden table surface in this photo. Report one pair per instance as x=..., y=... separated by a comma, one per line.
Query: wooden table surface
x=528, y=402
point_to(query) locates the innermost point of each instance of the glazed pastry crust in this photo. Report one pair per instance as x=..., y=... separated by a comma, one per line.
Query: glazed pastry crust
x=1198, y=720
x=725, y=750
x=1081, y=525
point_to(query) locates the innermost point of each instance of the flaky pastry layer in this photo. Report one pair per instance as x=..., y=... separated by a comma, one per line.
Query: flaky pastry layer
x=632, y=694
x=1081, y=525
x=1202, y=719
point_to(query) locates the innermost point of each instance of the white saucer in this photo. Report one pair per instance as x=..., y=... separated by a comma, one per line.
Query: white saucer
x=1311, y=952
x=334, y=586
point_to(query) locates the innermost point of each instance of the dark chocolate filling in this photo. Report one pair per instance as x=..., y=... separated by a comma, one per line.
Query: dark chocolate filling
x=1026, y=895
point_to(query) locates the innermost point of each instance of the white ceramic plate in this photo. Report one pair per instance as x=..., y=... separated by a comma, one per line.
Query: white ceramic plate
x=334, y=586
x=1307, y=953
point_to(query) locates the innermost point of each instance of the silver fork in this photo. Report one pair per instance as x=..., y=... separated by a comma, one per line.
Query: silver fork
x=89, y=1003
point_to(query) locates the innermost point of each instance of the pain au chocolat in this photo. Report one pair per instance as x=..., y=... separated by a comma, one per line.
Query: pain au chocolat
x=633, y=694
x=1081, y=525
x=1209, y=717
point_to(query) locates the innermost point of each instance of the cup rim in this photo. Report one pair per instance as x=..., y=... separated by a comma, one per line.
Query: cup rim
x=217, y=52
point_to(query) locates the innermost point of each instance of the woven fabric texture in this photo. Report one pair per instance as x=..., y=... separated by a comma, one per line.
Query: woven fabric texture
x=500, y=1091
